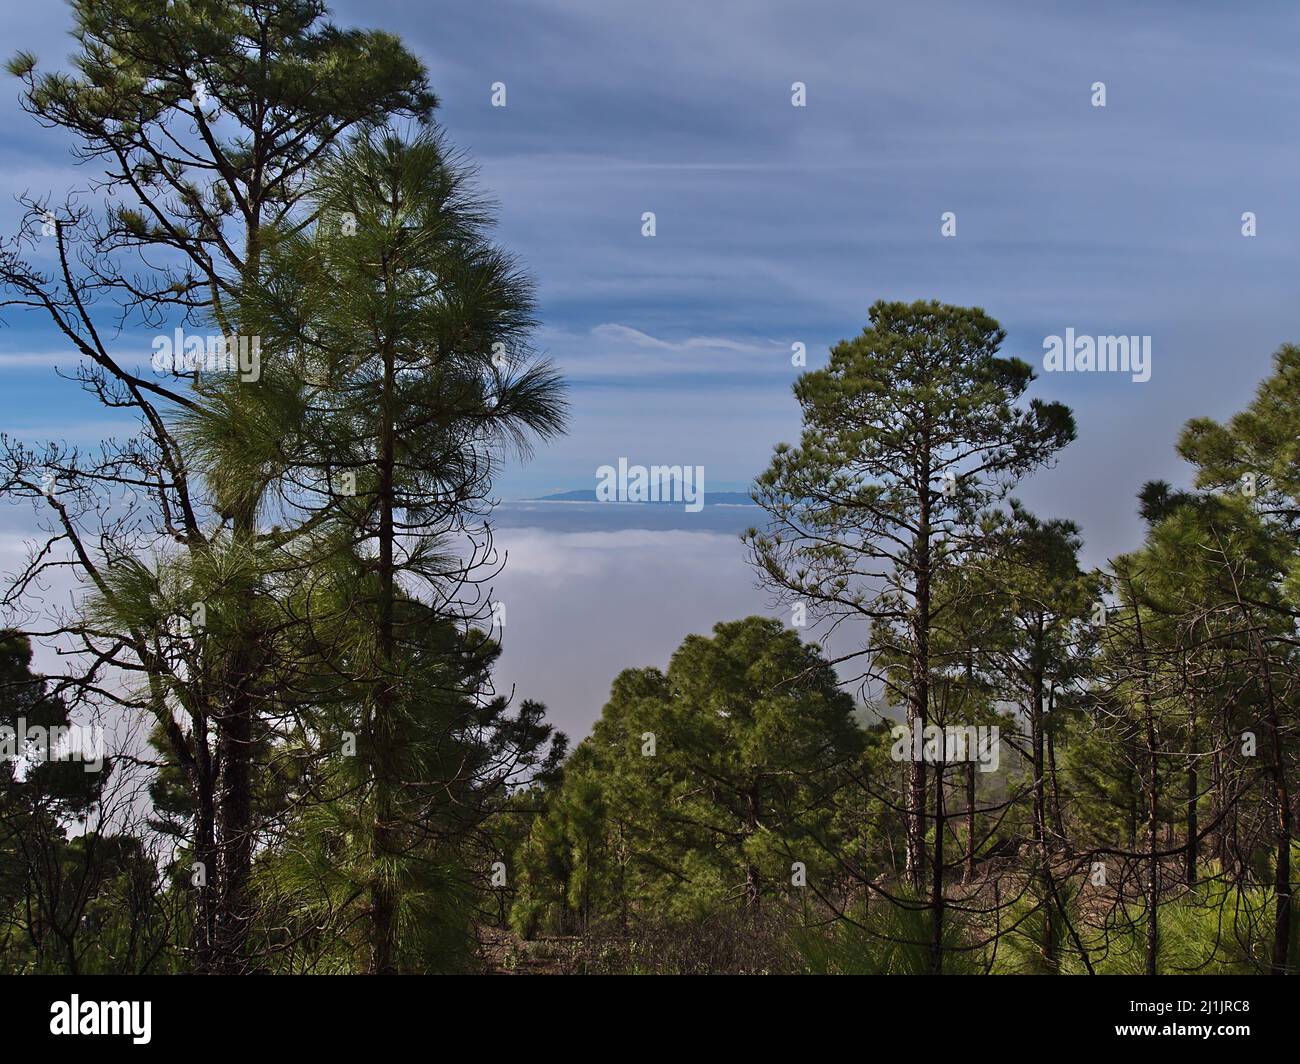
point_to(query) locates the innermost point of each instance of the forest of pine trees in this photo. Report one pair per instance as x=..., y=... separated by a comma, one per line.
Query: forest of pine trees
x=283, y=603
x=1138, y=818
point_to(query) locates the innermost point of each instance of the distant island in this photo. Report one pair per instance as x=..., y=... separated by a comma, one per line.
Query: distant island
x=711, y=498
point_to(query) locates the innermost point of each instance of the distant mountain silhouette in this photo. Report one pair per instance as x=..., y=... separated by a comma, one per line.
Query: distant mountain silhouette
x=711, y=498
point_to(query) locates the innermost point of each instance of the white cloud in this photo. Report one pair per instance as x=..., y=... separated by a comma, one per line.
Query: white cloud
x=23, y=359
x=581, y=607
x=621, y=352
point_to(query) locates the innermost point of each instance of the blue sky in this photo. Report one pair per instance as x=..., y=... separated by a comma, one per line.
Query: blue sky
x=778, y=224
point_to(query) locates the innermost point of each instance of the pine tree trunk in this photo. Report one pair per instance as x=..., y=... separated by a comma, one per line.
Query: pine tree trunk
x=1058, y=820
x=383, y=900
x=970, y=821
x=234, y=805
x=1047, y=946
x=918, y=705
x=1153, y=810
x=1218, y=849
x=1153, y=861
x=205, y=854
x=936, y=877
x=1134, y=795
x=1282, y=890
x=753, y=878
x=1193, y=791
x=234, y=719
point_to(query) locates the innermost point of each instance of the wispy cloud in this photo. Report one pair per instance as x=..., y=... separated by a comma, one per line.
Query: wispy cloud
x=28, y=359
x=612, y=351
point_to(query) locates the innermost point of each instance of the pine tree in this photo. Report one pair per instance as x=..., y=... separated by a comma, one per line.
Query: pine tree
x=204, y=120
x=400, y=379
x=911, y=430
x=713, y=781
